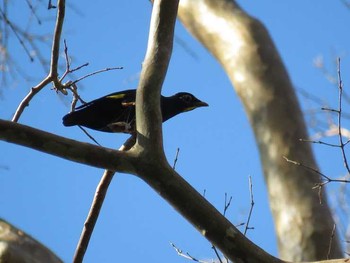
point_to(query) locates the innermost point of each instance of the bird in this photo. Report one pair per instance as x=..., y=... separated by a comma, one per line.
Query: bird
x=115, y=112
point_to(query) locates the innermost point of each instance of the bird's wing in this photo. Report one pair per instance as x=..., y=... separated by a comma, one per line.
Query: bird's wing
x=124, y=98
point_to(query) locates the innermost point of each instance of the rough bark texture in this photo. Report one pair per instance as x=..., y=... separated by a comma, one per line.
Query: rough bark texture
x=245, y=50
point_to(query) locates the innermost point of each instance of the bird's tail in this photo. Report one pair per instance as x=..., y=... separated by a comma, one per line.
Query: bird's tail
x=71, y=119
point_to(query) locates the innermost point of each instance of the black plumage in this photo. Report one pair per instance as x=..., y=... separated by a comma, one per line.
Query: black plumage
x=116, y=112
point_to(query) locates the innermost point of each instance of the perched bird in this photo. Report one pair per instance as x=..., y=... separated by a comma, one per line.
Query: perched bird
x=116, y=112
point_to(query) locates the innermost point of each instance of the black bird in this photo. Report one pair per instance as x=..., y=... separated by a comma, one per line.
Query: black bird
x=116, y=112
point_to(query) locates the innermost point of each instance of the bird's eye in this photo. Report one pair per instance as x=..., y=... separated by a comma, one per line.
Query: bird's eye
x=186, y=98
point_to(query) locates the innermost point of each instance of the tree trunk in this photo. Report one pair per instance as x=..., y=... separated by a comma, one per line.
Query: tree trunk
x=245, y=50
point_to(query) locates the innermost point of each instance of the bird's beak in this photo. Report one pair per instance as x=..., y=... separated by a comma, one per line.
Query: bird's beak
x=196, y=104
x=201, y=104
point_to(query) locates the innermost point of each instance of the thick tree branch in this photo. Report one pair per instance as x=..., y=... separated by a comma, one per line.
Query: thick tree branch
x=153, y=167
x=68, y=149
x=154, y=68
x=247, y=53
x=203, y=216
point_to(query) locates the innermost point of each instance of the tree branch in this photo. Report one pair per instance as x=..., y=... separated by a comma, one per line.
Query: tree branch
x=61, y=7
x=154, y=68
x=68, y=149
x=153, y=167
x=96, y=206
x=53, y=75
x=244, y=48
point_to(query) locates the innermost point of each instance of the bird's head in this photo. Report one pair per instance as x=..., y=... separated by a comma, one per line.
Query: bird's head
x=178, y=103
x=187, y=102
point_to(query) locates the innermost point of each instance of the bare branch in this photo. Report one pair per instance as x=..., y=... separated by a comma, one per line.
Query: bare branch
x=94, y=73
x=68, y=69
x=56, y=43
x=227, y=203
x=50, y=5
x=25, y=102
x=96, y=206
x=176, y=157
x=330, y=109
x=94, y=212
x=53, y=75
x=251, y=205
x=33, y=12
x=341, y=142
x=217, y=254
x=8, y=22
x=186, y=255
x=326, y=178
x=88, y=135
x=68, y=149
x=320, y=142
x=244, y=48
x=74, y=89
x=331, y=242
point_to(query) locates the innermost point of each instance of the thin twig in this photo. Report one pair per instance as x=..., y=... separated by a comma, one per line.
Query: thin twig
x=96, y=72
x=330, y=109
x=187, y=255
x=50, y=5
x=88, y=135
x=92, y=217
x=217, y=254
x=33, y=12
x=320, y=142
x=8, y=22
x=68, y=69
x=325, y=177
x=53, y=67
x=331, y=242
x=74, y=89
x=25, y=102
x=337, y=131
x=307, y=167
x=251, y=206
x=227, y=203
x=182, y=43
x=176, y=157
x=240, y=224
x=341, y=142
x=96, y=206
x=226, y=206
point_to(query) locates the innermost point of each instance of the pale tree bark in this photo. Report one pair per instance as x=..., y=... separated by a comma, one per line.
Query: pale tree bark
x=245, y=50
x=18, y=247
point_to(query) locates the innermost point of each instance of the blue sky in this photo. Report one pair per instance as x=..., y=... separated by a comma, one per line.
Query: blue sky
x=49, y=197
